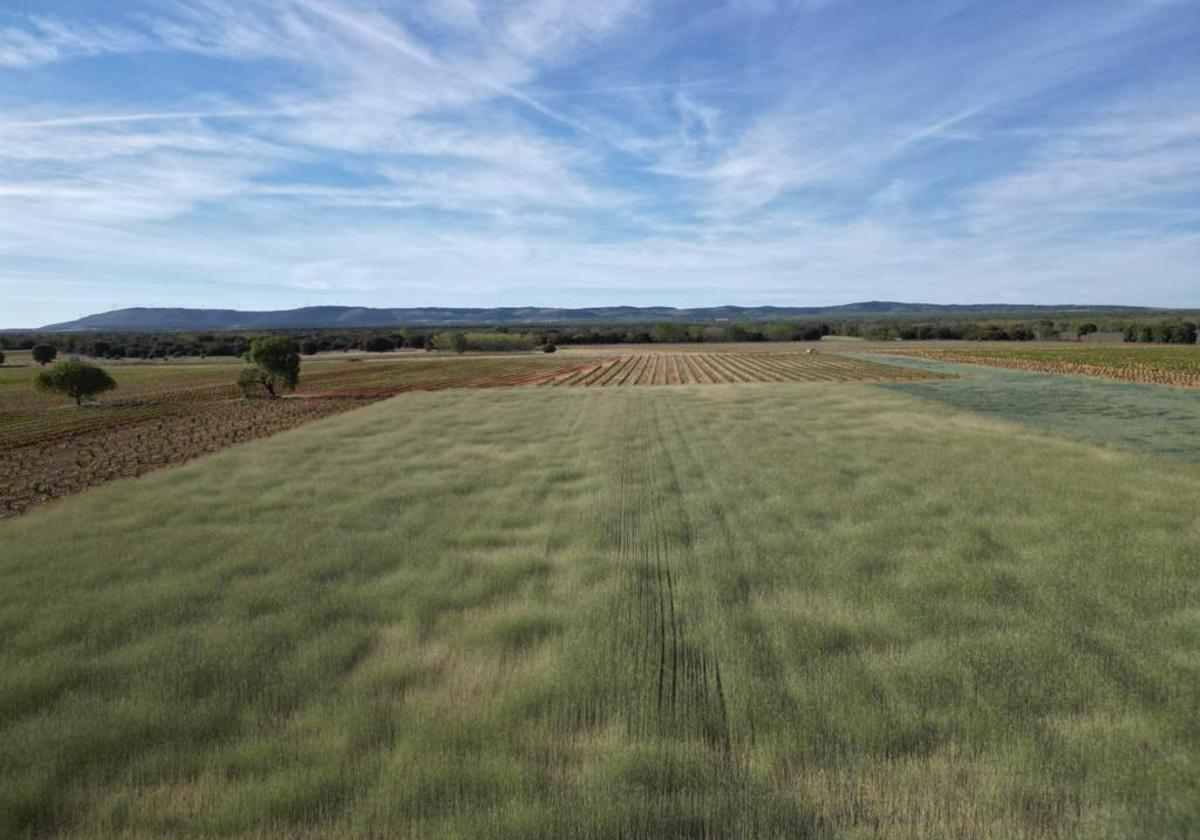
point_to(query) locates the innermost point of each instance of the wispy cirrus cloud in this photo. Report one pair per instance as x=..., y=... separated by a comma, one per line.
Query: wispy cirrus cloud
x=43, y=39
x=388, y=152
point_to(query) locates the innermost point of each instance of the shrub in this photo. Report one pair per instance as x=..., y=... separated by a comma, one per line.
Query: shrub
x=43, y=353
x=275, y=362
x=1, y=357
x=549, y=348
x=74, y=379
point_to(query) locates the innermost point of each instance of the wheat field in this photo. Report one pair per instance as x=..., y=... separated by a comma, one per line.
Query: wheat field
x=755, y=611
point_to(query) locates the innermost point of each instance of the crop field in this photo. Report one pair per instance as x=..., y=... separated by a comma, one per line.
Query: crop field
x=723, y=367
x=165, y=414
x=1129, y=415
x=632, y=612
x=1155, y=365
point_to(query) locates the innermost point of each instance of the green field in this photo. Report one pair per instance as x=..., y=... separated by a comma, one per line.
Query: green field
x=1149, y=418
x=773, y=610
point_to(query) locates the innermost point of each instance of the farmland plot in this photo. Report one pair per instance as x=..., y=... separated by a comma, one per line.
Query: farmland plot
x=167, y=414
x=636, y=612
x=718, y=367
x=1177, y=366
x=1149, y=418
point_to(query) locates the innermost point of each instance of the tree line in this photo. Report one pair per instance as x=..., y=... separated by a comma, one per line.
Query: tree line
x=162, y=345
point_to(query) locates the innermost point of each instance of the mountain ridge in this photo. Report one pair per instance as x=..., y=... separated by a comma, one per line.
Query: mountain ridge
x=171, y=319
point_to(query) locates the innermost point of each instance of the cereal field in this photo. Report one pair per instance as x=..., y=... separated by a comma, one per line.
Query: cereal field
x=644, y=613
x=715, y=368
x=1157, y=365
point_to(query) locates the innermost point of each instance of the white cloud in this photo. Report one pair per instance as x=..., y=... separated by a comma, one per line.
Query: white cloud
x=43, y=39
x=1142, y=160
x=466, y=151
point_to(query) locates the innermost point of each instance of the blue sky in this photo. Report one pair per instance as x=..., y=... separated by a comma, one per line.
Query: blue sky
x=274, y=153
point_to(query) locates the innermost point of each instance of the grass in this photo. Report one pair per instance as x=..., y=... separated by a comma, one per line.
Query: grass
x=1150, y=418
x=738, y=611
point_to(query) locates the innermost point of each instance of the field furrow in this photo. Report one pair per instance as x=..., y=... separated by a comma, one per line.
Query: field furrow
x=705, y=363
x=719, y=367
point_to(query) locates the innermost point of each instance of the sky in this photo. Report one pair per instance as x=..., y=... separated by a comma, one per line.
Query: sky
x=267, y=154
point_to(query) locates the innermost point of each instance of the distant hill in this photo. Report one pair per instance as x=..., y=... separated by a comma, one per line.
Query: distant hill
x=313, y=317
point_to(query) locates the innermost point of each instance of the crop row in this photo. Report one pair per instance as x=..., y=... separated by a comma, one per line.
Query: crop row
x=726, y=368
x=1179, y=367
x=385, y=379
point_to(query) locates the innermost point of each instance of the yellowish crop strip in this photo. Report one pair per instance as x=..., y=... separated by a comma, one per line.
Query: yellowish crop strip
x=736, y=371
x=715, y=372
x=638, y=371
x=759, y=369
x=726, y=369
x=714, y=368
x=699, y=373
x=649, y=371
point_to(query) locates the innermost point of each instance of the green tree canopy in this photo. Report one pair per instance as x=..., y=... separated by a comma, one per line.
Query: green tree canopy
x=74, y=379
x=378, y=344
x=275, y=362
x=43, y=353
x=455, y=341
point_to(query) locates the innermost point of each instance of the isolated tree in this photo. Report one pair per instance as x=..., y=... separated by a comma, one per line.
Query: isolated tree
x=74, y=379
x=274, y=362
x=43, y=353
x=1, y=357
x=1086, y=329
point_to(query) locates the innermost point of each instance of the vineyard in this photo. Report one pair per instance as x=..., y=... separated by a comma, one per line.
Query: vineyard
x=168, y=414
x=1177, y=366
x=719, y=368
